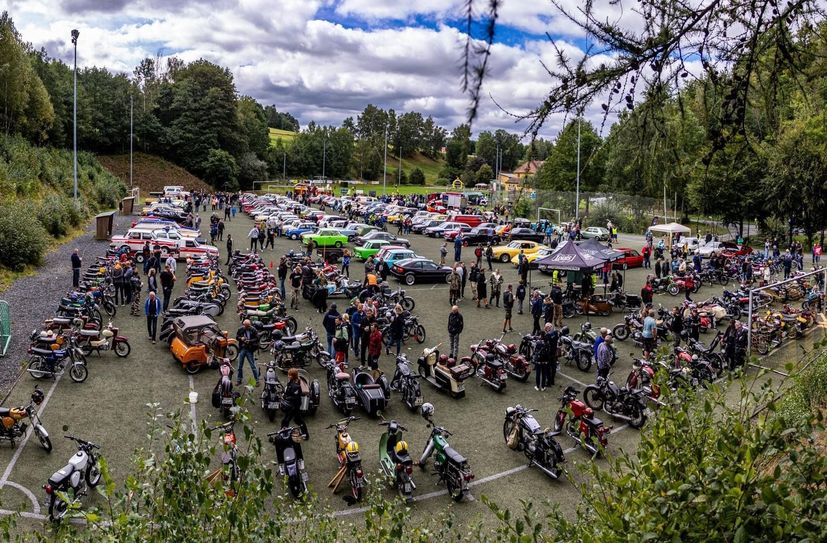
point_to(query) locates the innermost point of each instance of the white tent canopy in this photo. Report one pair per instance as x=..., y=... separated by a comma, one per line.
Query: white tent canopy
x=670, y=229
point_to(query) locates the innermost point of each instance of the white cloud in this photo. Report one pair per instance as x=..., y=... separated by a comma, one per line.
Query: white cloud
x=280, y=53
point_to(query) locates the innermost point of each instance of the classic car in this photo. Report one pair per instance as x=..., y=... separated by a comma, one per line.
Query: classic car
x=196, y=342
x=325, y=237
x=504, y=253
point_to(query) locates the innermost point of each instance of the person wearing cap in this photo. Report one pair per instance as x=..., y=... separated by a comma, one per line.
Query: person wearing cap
x=605, y=357
x=601, y=337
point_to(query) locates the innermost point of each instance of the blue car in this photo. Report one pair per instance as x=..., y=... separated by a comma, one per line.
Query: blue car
x=297, y=231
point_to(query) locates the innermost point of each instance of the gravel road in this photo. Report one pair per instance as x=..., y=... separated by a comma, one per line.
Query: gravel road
x=33, y=299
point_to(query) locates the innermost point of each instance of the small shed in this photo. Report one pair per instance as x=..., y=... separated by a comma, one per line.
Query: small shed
x=127, y=205
x=103, y=225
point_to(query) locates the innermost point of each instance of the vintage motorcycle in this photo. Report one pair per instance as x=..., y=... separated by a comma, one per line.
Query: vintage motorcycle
x=406, y=383
x=223, y=395
x=621, y=403
x=14, y=428
x=350, y=461
x=514, y=363
x=298, y=351
x=74, y=479
x=273, y=391
x=578, y=352
x=579, y=422
x=107, y=339
x=487, y=367
x=395, y=461
x=52, y=362
x=443, y=372
x=340, y=388
x=451, y=467
x=371, y=393
x=522, y=432
x=290, y=459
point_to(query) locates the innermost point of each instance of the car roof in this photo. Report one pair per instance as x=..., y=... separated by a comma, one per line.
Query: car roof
x=194, y=321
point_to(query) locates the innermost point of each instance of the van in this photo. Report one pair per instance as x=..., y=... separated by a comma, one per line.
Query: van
x=470, y=220
x=173, y=190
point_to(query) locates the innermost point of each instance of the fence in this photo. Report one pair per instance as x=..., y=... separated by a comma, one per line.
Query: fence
x=5, y=327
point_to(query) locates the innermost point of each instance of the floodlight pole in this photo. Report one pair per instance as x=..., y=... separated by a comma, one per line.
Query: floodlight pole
x=75, y=35
x=577, y=183
x=130, y=138
x=385, y=168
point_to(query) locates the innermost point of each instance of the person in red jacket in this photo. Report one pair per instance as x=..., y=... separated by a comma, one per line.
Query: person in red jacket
x=374, y=348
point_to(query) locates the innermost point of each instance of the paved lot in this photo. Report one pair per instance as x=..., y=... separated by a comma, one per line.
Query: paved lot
x=110, y=407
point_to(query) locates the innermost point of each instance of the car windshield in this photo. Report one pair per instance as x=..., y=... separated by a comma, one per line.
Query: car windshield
x=513, y=245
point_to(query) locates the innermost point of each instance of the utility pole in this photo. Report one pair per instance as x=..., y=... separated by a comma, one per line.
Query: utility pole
x=284, y=165
x=399, y=176
x=385, y=169
x=497, y=162
x=130, y=139
x=324, y=157
x=75, y=35
x=577, y=189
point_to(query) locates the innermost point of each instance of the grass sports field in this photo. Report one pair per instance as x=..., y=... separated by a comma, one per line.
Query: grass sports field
x=111, y=407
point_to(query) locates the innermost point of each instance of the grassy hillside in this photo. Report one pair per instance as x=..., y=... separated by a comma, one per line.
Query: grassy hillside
x=151, y=173
x=285, y=135
x=428, y=166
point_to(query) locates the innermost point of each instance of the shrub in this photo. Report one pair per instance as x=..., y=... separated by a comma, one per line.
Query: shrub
x=107, y=191
x=443, y=181
x=22, y=237
x=417, y=177
x=59, y=215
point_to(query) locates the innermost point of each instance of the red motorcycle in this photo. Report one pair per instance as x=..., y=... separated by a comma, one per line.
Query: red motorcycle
x=514, y=363
x=687, y=282
x=487, y=367
x=642, y=377
x=582, y=425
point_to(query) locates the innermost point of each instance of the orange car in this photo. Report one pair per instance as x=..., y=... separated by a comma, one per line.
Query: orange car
x=196, y=341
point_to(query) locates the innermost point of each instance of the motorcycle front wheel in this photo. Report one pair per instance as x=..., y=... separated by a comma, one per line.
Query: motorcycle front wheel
x=93, y=474
x=44, y=440
x=109, y=308
x=78, y=372
x=419, y=333
x=508, y=428
x=637, y=418
x=584, y=361
x=232, y=352
x=620, y=332
x=290, y=326
x=407, y=303
x=122, y=349
x=594, y=397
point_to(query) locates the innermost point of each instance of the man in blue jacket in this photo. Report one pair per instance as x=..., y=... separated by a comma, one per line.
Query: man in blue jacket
x=536, y=311
x=152, y=308
x=329, y=323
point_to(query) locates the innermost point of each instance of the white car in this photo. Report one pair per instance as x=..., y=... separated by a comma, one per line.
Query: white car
x=707, y=249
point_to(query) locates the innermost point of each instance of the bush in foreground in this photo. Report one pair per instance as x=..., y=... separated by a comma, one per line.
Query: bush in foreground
x=22, y=238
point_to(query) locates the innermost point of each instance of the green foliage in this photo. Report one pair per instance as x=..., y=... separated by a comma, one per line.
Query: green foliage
x=807, y=395
x=22, y=238
x=417, y=177
x=221, y=170
x=280, y=120
x=443, y=181
x=559, y=171
x=59, y=215
x=485, y=174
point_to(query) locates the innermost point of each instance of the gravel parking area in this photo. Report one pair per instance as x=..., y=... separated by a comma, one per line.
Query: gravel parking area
x=34, y=298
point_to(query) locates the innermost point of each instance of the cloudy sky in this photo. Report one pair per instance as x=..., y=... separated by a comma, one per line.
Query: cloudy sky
x=322, y=60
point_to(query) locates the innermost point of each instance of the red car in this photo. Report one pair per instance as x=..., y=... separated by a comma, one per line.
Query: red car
x=631, y=259
x=731, y=249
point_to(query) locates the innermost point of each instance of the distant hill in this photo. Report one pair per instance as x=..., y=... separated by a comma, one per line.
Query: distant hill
x=151, y=172
x=428, y=166
x=285, y=135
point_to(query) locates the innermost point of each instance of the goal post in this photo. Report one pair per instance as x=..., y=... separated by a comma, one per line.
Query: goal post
x=541, y=209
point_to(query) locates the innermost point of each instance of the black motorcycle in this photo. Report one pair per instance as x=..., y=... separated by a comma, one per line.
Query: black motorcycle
x=578, y=352
x=298, y=351
x=290, y=459
x=522, y=432
x=272, y=393
x=340, y=388
x=707, y=352
x=406, y=383
x=620, y=403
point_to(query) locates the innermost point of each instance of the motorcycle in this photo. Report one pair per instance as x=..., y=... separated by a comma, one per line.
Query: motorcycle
x=340, y=388
x=716, y=360
x=350, y=461
x=298, y=351
x=451, y=467
x=406, y=382
x=680, y=283
x=104, y=340
x=229, y=470
x=582, y=425
x=522, y=432
x=487, y=367
x=223, y=395
x=515, y=364
x=82, y=472
x=623, y=330
x=372, y=393
x=621, y=403
x=290, y=459
x=272, y=393
x=641, y=377
x=395, y=461
x=52, y=362
x=14, y=428
x=443, y=372
x=578, y=352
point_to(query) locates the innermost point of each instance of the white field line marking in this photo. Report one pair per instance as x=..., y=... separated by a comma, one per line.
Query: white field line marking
x=22, y=444
x=193, y=415
x=29, y=494
x=476, y=482
x=581, y=383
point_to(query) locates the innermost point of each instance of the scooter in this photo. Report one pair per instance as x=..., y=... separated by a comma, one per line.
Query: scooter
x=395, y=461
x=406, y=382
x=582, y=425
x=81, y=473
x=273, y=391
x=290, y=459
x=350, y=461
x=451, y=467
x=488, y=368
x=523, y=433
x=104, y=340
x=443, y=372
x=13, y=427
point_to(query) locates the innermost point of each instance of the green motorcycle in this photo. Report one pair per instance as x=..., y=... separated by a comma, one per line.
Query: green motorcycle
x=451, y=467
x=395, y=461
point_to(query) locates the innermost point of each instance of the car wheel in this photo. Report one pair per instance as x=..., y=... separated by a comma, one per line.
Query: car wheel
x=410, y=279
x=294, y=237
x=338, y=244
x=625, y=266
x=504, y=258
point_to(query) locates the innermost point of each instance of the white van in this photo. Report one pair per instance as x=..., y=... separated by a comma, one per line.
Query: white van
x=173, y=191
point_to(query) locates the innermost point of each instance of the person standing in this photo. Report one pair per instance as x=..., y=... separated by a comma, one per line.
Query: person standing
x=374, y=345
x=557, y=299
x=296, y=286
x=540, y=359
x=601, y=337
x=167, y=282
x=443, y=252
x=282, y=275
x=229, y=248
x=482, y=288
x=329, y=324
x=454, y=284
x=473, y=275
x=146, y=253
x=551, y=337
x=247, y=338
x=648, y=333
x=152, y=308
x=253, y=235
x=605, y=356
x=455, y=326
x=171, y=263
x=292, y=400
x=135, y=310
x=346, y=263
x=76, y=265
x=364, y=331
x=117, y=281
x=463, y=275
x=508, y=305
x=458, y=247
x=647, y=253
x=478, y=255
x=128, y=274
x=536, y=311
x=152, y=281
x=496, y=281
x=356, y=327
x=521, y=292
x=221, y=230
x=397, y=329
x=489, y=255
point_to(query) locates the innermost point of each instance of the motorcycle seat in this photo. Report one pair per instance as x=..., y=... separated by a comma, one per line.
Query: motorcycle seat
x=454, y=456
x=4, y=411
x=342, y=376
x=288, y=339
x=292, y=346
x=61, y=320
x=370, y=386
x=44, y=352
x=61, y=475
x=594, y=421
x=90, y=333
x=403, y=458
x=495, y=363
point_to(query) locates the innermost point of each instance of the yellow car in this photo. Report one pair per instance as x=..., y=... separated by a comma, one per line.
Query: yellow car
x=531, y=258
x=504, y=253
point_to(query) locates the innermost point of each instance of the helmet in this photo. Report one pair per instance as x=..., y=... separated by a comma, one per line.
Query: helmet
x=586, y=326
x=564, y=331
x=37, y=396
x=427, y=410
x=443, y=360
x=401, y=447
x=352, y=448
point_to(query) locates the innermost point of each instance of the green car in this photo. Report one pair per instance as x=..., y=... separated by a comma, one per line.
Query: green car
x=370, y=248
x=326, y=237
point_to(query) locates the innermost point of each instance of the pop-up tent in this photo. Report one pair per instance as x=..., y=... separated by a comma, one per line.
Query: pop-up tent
x=570, y=257
x=670, y=229
x=595, y=248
